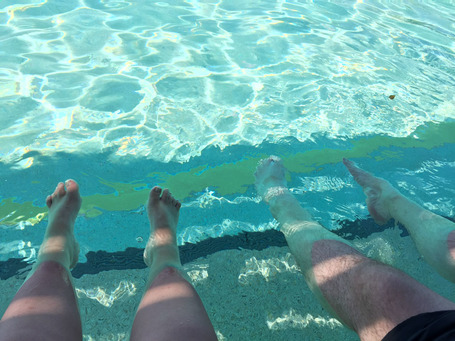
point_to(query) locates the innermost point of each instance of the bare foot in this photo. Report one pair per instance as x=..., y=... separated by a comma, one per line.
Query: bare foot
x=270, y=178
x=163, y=213
x=59, y=243
x=380, y=193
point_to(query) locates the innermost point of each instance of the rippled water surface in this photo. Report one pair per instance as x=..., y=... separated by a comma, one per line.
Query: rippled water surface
x=184, y=75
x=191, y=94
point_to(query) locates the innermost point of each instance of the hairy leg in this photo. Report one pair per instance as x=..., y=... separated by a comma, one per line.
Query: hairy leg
x=170, y=308
x=45, y=307
x=370, y=297
x=367, y=296
x=433, y=235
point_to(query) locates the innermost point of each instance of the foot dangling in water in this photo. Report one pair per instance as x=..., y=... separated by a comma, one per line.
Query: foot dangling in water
x=270, y=178
x=59, y=243
x=163, y=212
x=380, y=193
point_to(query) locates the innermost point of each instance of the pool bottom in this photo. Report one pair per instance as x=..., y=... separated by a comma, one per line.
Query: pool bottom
x=132, y=258
x=248, y=294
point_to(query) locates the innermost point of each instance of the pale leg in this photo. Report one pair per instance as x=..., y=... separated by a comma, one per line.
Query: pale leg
x=433, y=235
x=367, y=296
x=170, y=308
x=45, y=307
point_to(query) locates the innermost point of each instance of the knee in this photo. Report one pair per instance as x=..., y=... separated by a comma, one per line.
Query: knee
x=333, y=259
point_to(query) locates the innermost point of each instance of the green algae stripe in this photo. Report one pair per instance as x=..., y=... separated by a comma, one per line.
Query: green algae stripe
x=125, y=198
x=231, y=178
x=428, y=137
x=12, y=212
x=228, y=178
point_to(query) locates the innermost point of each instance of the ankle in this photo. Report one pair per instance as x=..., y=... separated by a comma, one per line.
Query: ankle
x=163, y=254
x=163, y=236
x=60, y=249
x=164, y=260
x=273, y=194
x=394, y=204
x=62, y=257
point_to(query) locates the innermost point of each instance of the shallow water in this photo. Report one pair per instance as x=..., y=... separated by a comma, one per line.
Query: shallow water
x=86, y=76
x=190, y=95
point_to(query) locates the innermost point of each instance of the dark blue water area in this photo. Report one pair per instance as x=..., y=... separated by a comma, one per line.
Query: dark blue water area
x=427, y=176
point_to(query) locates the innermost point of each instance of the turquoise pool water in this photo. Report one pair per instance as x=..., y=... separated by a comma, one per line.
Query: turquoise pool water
x=191, y=94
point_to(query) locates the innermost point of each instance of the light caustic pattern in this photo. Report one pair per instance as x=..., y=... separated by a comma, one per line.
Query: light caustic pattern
x=90, y=75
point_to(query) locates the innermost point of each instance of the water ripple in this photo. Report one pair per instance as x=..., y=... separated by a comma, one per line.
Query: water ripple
x=184, y=75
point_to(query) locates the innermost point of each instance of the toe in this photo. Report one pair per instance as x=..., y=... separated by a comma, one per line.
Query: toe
x=360, y=176
x=166, y=196
x=172, y=200
x=261, y=164
x=274, y=158
x=155, y=194
x=59, y=190
x=178, y=205
x=72, y=187
x=49, y=201
x=350, y=166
